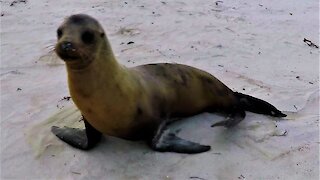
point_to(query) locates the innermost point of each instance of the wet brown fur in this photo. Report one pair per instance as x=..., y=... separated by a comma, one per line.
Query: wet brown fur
x=131, y=102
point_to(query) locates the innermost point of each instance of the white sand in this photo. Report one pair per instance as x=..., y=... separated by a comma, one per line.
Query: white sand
x=253, y=45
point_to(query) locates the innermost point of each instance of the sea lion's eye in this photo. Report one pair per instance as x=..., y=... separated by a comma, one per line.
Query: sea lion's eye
x=87, y=37
x=59, y=33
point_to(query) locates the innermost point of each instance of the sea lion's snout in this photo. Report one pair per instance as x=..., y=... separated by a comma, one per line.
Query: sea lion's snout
x=67, y=46
x=67, y=51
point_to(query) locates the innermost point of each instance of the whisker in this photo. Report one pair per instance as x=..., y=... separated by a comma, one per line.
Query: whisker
x=50, y=45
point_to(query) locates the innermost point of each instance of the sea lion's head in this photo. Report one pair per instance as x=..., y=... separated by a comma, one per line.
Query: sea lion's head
x=79, y=38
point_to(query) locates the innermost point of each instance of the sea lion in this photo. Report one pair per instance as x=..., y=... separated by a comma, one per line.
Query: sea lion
x=137, y=103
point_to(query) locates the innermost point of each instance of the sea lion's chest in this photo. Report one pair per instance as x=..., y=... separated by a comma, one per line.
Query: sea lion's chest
x=110, y=114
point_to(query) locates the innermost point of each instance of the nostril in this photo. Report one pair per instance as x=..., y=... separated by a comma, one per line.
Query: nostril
x=67, y=46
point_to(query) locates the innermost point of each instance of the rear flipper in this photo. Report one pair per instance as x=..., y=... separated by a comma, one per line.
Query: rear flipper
x=164, y=141
x=235, y=118
x=84, y=139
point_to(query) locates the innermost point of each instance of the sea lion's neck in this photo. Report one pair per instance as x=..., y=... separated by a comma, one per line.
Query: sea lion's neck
x=104, y=73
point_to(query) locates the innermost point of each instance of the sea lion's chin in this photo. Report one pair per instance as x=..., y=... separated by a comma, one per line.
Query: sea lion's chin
x=68, y=58
x=77, y=63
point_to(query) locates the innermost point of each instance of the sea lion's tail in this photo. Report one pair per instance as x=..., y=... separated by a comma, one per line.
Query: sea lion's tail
x=259, y=106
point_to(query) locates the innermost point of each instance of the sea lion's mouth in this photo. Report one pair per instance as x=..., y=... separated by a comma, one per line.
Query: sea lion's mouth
x=75, y=61
x=68, y=57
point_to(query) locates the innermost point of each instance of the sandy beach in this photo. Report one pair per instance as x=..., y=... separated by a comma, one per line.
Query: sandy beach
x=267, y=49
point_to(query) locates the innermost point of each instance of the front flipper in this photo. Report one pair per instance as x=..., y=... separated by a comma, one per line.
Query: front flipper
x=164, y=141
x=234, y=119
x=84, y=139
